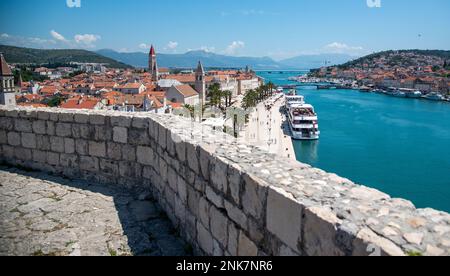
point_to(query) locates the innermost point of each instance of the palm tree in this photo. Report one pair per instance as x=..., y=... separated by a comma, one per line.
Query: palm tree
x=191, y=110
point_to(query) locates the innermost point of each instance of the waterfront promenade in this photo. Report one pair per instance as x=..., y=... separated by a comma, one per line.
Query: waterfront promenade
x=269, y=129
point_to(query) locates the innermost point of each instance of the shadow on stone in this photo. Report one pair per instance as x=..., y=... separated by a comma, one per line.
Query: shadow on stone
x=146, y=229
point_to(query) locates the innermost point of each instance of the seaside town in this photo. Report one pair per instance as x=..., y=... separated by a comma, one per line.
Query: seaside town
x=155, y=90
x=396, y=73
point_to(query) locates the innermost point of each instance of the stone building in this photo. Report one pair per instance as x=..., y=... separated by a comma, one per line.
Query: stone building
x=200, y=83
x=183, y=94
x=7, y=89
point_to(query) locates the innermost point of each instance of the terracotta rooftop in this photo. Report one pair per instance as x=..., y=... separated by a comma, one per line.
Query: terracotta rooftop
x=186, y=90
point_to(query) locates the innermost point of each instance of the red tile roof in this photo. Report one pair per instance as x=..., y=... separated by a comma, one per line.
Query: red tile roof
x=186, y=90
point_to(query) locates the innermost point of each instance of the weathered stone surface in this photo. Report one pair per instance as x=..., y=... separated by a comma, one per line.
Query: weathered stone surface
x=205, y=239
x=219, y=226
x=39, y=127
x=69, y=145
x=57, y=144
x=215, y=198
x=97, y=149
x=63, y=130
x=57, y=217
x=284, y=217
x=253, y=196
x=120, y=135
x=145, y=155
x=29, y=140
x=320, y=228
x=246, y=248
x=14, y=138
x=219, y=175
x=367, y=243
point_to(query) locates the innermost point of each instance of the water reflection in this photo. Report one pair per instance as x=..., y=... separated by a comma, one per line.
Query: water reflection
x=308, y=151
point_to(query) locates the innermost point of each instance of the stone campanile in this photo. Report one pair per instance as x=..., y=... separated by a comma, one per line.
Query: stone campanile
x=7, y=90
x=153, y=65
x=200, y=82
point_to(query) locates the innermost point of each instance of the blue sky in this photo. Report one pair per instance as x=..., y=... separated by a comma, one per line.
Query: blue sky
x=279, y=29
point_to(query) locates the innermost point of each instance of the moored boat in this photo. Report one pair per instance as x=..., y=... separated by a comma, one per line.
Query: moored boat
x=303, y=120
x=434, y=96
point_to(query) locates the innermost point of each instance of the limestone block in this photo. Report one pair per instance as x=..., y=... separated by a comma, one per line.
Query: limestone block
x=253, y=196
x=39, y=127
x=145, y=155
x=69, y=145
x=14, y=138
x=284, y=216
x=63, y=130
x=120, y=135
x=89, y=163
x=57, y=144
x=204, y=239
x=96, y=119
x=219, y=175
x=367, y=243
x=97, y=149
x=219, y=226
x=29, y=140
x=23, y=125
x=320, y=228
x=246, y=248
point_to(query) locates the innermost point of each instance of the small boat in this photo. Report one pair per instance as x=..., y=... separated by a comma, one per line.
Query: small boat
x=414, y=95
x=399, y=94
x=365, y=89
x=434, y=96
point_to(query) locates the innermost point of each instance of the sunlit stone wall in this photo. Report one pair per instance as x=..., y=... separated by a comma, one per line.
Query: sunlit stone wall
x=226, y=197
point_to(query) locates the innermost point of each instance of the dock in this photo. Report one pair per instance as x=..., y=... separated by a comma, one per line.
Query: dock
x=269, y=130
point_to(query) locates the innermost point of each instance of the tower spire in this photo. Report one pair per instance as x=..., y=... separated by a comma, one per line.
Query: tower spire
x=200, y=82
x=153, y=65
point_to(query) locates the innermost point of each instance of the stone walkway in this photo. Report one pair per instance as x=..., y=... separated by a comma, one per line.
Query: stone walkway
x=47, y=215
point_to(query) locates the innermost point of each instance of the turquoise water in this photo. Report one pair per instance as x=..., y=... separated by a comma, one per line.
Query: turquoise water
x=399, y=146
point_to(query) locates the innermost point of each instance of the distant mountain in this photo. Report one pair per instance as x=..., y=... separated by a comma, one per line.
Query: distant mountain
x=39, y=56
x=316, y=61
x=190, y=60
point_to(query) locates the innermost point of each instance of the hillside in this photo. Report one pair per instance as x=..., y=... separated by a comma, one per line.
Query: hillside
x=403, y=58
x=38, y=56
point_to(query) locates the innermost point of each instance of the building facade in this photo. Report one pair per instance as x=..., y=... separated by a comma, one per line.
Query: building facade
x=7, y=88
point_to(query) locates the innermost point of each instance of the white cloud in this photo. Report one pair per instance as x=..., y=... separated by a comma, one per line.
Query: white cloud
x=234, y=47
x=144, y=46
x=342, y=48
x=28, y=42
x=172, y=45
x=57, y=36
x=208, y=49
x=86, y=39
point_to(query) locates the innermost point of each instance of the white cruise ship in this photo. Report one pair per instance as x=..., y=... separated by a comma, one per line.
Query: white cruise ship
x=303, y=120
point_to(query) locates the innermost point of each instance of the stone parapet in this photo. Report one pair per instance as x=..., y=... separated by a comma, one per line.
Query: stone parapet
x=226, y=197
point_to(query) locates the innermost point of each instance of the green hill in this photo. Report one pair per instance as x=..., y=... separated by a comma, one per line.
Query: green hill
x=60, y=56
x=400, y=57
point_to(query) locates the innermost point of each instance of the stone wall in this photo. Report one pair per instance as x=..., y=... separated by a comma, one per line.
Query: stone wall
x=226, y=197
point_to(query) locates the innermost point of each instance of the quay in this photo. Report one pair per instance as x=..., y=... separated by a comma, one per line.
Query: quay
x=268, y=128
